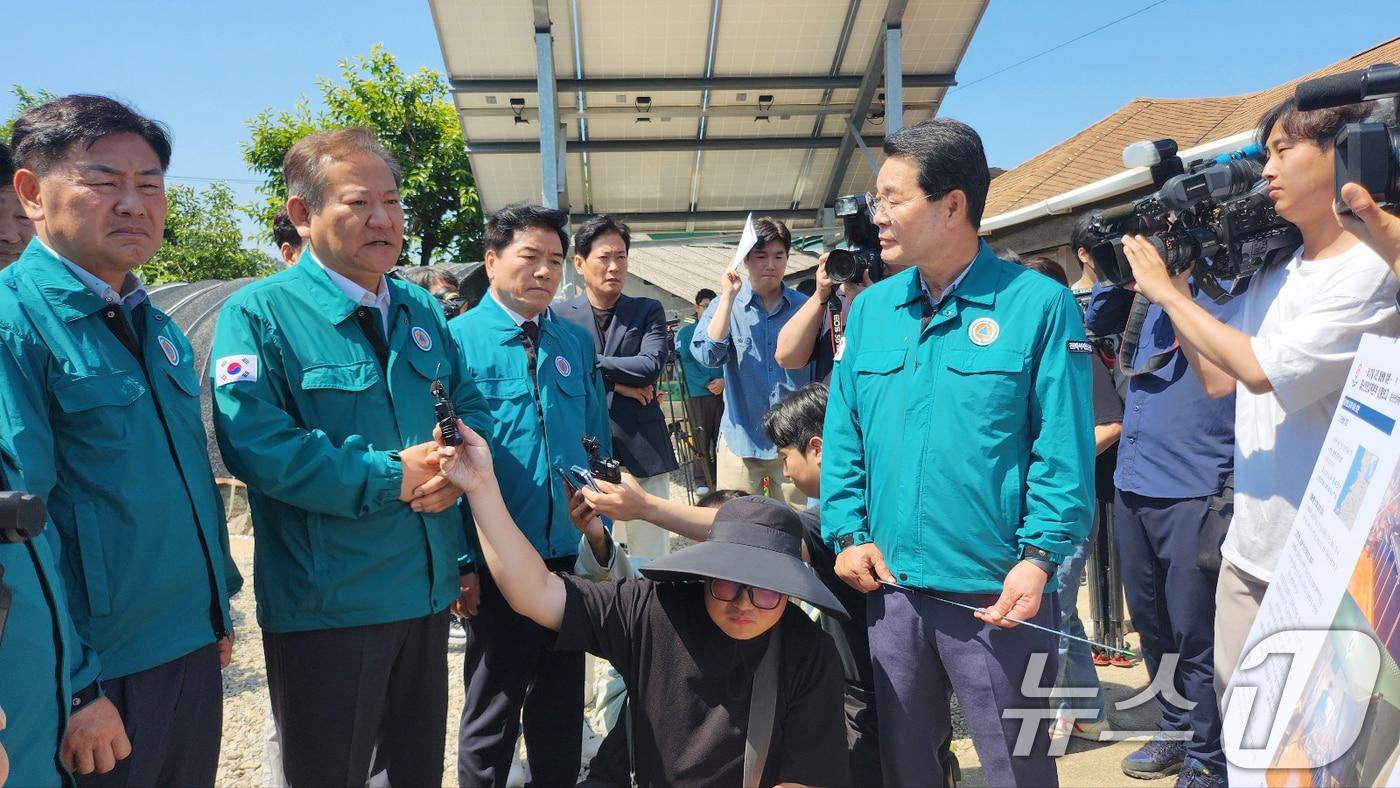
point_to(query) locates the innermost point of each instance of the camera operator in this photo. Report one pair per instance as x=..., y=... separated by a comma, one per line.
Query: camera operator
x=1285, y=356
x=958, y=462
x=807, y=337
x=1377, y=228
x=102, y=394
x=1171, y=499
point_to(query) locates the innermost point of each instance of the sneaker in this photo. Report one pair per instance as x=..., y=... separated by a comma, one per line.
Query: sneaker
x=1160, y=757
x=1088, y=730
x=1121, y=660
x=456, y=633
x=1195, y=774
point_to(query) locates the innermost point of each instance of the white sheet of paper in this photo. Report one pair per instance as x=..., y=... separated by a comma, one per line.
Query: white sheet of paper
x=746, y=243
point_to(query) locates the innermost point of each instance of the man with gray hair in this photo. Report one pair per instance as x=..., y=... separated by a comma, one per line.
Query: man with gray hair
x=323, y=382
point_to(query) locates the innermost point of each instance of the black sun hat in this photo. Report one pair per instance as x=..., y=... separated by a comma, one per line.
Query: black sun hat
x=755, y=541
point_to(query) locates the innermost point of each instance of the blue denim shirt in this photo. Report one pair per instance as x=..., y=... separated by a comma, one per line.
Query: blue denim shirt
x=753, y=381
x=1177, y=442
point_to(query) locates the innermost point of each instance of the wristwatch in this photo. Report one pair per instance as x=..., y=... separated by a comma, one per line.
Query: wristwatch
x=1040, y=559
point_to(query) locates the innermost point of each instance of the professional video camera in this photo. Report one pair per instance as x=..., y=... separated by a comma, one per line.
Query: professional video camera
x=21, y=519
x=862, y=252
x=1213, y=215
x=605, y=468
x=1367, y=153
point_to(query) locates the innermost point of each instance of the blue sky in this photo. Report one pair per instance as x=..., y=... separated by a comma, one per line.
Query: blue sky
x=204, y=68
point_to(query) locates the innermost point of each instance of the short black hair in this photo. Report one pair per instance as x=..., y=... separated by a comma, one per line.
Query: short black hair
x=7, y=166
x=797, y=418
x=595, y=228
x=1050, y=268
x=502, y=225
x=44, y=134
x=1318, y=126
x=717, y=498
x=705, y=294
x=950, y=157
x=769, y=230
x=1081, y=235
x=428, y=277
x=283, y=231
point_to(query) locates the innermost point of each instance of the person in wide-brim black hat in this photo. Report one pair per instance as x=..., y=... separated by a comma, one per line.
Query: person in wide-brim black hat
x=688, y=639
x=756, y=542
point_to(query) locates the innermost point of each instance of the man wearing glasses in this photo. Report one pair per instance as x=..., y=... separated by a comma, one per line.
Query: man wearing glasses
x=964, y=390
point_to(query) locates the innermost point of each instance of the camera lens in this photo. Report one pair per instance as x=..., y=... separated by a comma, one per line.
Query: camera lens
x=842, y=266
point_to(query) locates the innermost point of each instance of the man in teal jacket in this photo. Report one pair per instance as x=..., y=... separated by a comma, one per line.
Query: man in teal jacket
x=37, y=634
x=540, y=375
x=957, y=464
x=101, y=398
x=322, y=380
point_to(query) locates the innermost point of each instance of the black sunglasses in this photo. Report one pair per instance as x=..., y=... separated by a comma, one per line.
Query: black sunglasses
x=728, y=591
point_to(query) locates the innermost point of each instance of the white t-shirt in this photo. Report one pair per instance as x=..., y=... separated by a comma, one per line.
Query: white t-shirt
x=1306, y=318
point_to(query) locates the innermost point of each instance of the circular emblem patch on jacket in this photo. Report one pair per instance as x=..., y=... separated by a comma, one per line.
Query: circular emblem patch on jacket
x=422, y=339
x=171, y=354
x=983, y=331
x=562, y=364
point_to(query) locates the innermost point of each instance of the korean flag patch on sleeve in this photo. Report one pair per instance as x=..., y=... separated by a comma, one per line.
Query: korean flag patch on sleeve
x=232, y=369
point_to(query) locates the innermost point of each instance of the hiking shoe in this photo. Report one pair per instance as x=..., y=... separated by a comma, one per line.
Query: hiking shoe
x=1160, y=757
x=456, y=633
x=1195, y=774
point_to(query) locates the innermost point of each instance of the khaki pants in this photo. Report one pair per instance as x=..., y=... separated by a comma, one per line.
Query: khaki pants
x=1237, y=600
x=747, y=474
x=646, y=542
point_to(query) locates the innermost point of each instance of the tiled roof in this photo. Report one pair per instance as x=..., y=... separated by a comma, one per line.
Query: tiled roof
x=1097, y=152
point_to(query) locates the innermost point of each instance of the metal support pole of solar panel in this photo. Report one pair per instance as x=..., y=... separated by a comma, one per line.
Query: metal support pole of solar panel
x=894, y=80
x=549, y=118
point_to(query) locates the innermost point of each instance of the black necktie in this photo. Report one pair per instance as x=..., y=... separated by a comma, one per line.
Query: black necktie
x=130, y=333
x=373, y=326
x=532, y=344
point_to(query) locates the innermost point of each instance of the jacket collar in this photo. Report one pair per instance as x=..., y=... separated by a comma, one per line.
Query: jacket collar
x=71, y=299
x=978, y=284
x=329, y=299
x=499, y=322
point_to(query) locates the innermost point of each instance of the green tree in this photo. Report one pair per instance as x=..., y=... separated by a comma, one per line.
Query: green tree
x=414, y=118
x=23, y=101
x=202, y=240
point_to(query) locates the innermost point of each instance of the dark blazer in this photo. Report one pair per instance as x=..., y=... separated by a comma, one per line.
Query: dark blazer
x=633, y=353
